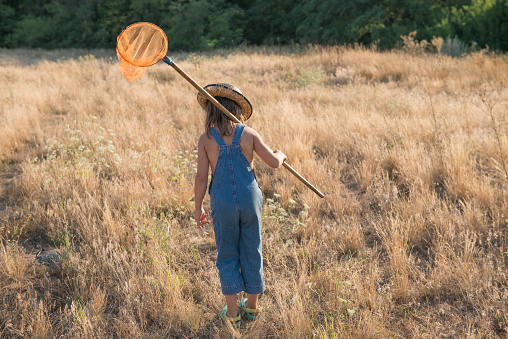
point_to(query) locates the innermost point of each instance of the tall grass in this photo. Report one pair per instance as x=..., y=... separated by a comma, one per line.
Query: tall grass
x=410, y=240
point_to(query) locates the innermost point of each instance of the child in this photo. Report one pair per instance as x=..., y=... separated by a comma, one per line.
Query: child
x=235, y=197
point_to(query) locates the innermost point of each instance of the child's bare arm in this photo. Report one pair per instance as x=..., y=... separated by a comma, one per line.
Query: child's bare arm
x=272, y=158
x=200, y=183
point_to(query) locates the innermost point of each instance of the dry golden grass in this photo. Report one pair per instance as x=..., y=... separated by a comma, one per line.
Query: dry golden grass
x=411, y=239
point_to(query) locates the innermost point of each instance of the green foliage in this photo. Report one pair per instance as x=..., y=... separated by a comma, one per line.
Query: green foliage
x=483, y=22
x=29, y=32
x=290, y=217
x=366, y=21
x=7, y=17
x=197, y=25
x=270, y=22
x=202, y=25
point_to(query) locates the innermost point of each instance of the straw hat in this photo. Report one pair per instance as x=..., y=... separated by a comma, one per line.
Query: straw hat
x=227, y=91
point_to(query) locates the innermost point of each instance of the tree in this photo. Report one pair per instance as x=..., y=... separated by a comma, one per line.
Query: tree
x=269, y=21
x=202, y=25
x=483, y=22
x=207, y=24
x=7, y=18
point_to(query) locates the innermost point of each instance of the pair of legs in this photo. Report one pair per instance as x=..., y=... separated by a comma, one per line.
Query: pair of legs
x=252, y=302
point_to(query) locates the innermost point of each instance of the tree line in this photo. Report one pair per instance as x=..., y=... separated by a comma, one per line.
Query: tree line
x=197, y=25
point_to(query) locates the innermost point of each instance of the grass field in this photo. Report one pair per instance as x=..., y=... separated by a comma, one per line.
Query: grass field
x=411, y=239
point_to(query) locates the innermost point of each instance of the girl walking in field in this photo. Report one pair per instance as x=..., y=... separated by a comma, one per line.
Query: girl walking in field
x=235, y=198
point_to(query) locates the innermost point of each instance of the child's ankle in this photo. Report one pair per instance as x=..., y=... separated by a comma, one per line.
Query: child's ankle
x=254, y=307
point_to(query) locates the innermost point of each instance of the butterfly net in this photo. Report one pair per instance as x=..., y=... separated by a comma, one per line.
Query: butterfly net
x=140, y=45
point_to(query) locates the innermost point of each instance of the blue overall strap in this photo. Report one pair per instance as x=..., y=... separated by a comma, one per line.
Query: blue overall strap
x=238, y=134
x=216, y=136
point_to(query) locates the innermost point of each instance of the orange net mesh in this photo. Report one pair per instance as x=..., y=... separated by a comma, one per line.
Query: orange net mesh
x=130, y=72
x=142, y=44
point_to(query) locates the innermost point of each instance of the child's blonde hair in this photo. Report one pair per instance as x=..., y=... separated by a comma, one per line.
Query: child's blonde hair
x=215, y=117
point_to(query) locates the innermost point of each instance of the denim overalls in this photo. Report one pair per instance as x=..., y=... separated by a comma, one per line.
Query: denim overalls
x=236, y=201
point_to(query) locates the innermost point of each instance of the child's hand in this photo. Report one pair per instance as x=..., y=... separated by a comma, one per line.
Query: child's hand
x=281, y=156
x=200, y=217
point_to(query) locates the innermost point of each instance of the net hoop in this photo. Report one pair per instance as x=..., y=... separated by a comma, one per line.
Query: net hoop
x=142, y=44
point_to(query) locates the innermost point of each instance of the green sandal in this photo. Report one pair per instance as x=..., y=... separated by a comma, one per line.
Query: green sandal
x=248, y=311
x=235, y=322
